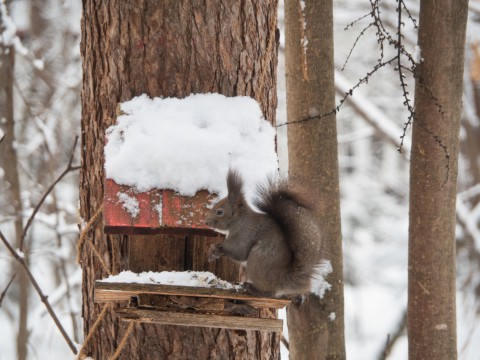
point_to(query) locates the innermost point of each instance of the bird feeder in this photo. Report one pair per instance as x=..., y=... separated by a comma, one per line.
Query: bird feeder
x=159, y=158
x=163, y=153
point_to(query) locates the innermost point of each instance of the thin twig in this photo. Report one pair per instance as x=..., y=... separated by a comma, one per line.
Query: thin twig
x=347, y=95
x=403, y=84
x=4, y=292
x=392, y=338
x=39, y=291
x=285, y=342
x=385, y=351
x=65, y=172
x=355, y=44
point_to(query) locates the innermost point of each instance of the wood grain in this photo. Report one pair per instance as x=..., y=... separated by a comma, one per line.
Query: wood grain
x=105, y=292
x=201, y=320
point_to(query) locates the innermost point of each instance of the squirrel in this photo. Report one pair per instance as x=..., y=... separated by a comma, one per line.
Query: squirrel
x=281, y=245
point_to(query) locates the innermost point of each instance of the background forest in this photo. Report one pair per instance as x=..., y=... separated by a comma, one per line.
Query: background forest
x=45, y=80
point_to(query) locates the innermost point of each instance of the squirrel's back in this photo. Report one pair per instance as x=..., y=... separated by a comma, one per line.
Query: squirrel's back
x=293, y=208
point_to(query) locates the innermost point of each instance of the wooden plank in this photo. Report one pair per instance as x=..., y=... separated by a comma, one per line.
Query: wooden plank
x=160, y=212
x=198, y=305
x=156, y=253
x=201, y=320
x=106, y=292
x=181, y=303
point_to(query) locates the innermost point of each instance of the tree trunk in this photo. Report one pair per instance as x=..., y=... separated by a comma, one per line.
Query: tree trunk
x=9, y=162
x=433, y=179
x=168, y=49
x=470, y=146
x=312, y=152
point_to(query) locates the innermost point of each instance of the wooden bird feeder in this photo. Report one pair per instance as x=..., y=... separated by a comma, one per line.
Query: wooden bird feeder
x=191, y=306
x=163, y=211
x=160, y=212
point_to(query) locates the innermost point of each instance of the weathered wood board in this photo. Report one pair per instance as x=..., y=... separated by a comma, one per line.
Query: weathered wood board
x=105, y=292
x=201, y=320
x=192, y=306
x=159, y=212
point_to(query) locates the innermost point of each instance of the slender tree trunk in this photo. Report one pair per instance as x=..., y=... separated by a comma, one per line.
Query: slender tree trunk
x=9, y=163
x=312, y=152
x=170, y=49
x=470, y=146
x=433, y=180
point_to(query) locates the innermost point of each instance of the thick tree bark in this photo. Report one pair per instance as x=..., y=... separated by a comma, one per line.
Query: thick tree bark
x=168, y=49
x=312, y=152
x=433, y=178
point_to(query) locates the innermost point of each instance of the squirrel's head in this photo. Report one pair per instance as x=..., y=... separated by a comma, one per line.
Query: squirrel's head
x=227, y=211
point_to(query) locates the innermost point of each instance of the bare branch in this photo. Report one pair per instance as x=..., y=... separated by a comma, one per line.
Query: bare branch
x=392, y=339
x=4, y=292
x=355, y=44
x=407, y=102
x=410, y=16
x=383, y=37
x=347, y=94
x=43, y=297
x=384, y=126
x=385, y=351
x=68, y=169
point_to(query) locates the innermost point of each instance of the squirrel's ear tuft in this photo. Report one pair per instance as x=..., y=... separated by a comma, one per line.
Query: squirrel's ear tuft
x=235, y=188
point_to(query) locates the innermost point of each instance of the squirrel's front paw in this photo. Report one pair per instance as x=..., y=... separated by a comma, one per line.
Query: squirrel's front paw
x=215, y=252
x=251, y=289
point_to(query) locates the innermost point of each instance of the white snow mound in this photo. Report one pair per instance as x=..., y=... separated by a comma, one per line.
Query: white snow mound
x=179, y=278
x=189, y=144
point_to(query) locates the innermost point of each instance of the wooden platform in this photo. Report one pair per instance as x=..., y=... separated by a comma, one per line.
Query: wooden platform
x=160, y=212
x=192, y=306
x=201, y=320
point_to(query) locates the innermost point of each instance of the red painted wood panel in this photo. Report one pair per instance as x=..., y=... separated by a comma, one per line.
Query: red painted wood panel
x=159, y=212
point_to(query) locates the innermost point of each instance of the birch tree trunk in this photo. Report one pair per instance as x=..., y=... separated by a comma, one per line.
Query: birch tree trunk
x=433, y=180
x=312, y=153
x=170, y=49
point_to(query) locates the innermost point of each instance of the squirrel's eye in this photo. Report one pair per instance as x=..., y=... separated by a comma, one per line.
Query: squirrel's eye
x=219, y=212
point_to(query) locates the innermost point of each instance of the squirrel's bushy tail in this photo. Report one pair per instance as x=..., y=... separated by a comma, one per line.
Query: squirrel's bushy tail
x=293, y=209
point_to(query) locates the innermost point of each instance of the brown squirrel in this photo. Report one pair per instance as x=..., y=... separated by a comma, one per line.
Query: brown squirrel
x=281, y=245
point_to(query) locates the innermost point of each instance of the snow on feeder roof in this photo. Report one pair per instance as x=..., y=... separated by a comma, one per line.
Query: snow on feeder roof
x=166, y=159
